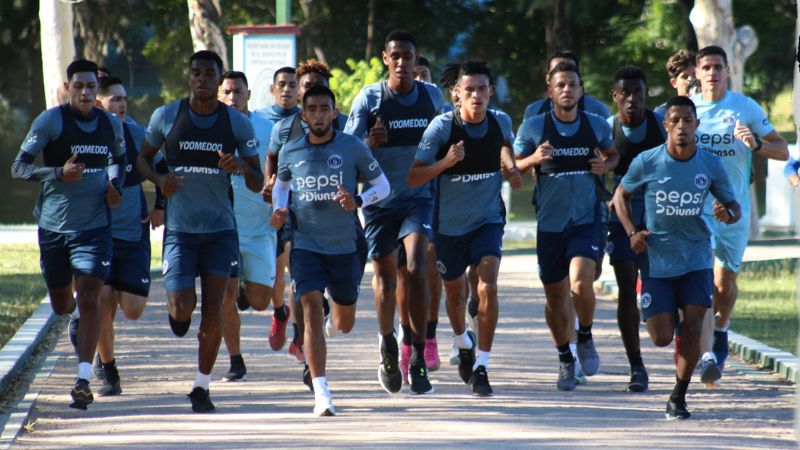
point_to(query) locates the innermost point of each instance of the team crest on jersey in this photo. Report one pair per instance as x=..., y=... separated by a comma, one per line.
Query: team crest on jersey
x=335, y=161
x=646, y=300
x=729, y=120
x=701, y=181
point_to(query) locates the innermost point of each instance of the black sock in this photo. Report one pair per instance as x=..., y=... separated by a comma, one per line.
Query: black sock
x=431, y=332
x=111, y=363
x=679, y=391
x=564, y=353
x=406, y=334
x=418, y=353
x=296, y=337
x=584, y=333
x=237, y=361
x=326, y=307
x=389, y=343
x=635, y=359
x=282, y=313
x=472, y=307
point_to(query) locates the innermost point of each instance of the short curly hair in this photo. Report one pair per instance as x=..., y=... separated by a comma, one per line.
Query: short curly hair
x=678, y=62
x=313, y=66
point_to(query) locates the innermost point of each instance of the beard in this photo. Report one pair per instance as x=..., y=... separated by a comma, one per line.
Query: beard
x=322, y=132
x=569, y=107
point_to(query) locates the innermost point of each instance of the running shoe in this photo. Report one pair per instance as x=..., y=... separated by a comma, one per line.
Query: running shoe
x=720, y=348
x=580, y=377
x=709, y=371
x=179, y=328
x=466, y=359
x=111, y=385
x=587, y=354
x=639, y=380
x=677, y=410
x=432, y=355
x=566, y=376
x=277, y=334
x=81, y=394
x=307, y=377
x=405, y=361
x=97, y=367
x=389, y=374
x=480, y=382
x=330, y=329
x=420, y=384
x=241, y=299
x=296, y=351
x=237, y=372
x=73, y=332
x=201, y=401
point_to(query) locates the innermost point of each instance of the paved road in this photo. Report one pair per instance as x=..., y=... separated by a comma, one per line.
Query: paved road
x=751, y=410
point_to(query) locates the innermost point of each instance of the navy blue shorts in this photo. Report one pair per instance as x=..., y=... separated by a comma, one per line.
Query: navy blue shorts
x=455, y=253
x=80, y=253
x=385, y=227
x=555, y=250
x=187, y=255
x=341, y=274
x=619, y=249
x=666, y=295
x=130, y=266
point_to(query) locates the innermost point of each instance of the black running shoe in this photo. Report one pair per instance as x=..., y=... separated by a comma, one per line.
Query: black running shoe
x=418, y=375
x=73, y=332
x=480, y=382
x=677, y=410
x=639, y=380
x=307, y=377
x=179, y=328
x=241, y=300
x=81, y=394
x=466, y=359
x=97, y=368
x=111, y=385
x=237, y=372
x=201, y=402
x=389, y=374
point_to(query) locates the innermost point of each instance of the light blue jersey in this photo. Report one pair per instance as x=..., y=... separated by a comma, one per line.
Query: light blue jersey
x=715, y=133
x=566, y=190
x=80, y=205
x=275, y=113
x=587, y=103
x=466, y=201
x=191, y=143
x=405, y=119
x=252, y=212
x=675, y=192
x=315, y=171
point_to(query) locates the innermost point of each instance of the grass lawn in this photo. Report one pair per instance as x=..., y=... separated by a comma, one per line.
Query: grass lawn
x=767, y=308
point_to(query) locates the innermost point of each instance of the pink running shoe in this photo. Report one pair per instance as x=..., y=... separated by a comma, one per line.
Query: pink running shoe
x=432, y=355
x=277, y=334
x=405, y=361
x=296, y=350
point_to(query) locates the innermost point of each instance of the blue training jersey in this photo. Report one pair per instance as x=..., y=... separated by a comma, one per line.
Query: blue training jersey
x=126, y=220
x=405, y=117
x=275, y=113
x=57, y=133
x=252, y=212
x=191, y=145
x=565, y=193
x=715, y=134
x=320, y=224
x=675, y=191
x=470, y=198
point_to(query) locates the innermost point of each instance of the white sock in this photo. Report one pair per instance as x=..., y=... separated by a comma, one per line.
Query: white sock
x=321, y=392
x=201, y=380
x=85, y=371
x=463, y=341
x=482, y=360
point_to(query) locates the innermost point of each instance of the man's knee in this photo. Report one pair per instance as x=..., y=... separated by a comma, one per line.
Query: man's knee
x=132, y=305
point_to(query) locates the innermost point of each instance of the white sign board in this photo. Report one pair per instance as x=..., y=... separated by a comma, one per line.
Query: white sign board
x=259, y=56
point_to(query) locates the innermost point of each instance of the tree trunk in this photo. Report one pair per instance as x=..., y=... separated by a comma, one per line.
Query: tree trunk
x=713, y=25
x=205, y=26
x=93, y=25
x=310, y=33
x=58, y=48
x=557, y=31
x=370, y=29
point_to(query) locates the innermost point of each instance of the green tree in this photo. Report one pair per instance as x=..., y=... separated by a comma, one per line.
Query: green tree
x=347, y=85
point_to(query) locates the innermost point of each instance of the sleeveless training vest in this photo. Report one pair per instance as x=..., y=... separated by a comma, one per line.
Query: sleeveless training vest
x=480, y=155
x=570, y=154
x=92, y=148
x=184, y=139
x=405, y=124
x=132, y=177
x=628, y=150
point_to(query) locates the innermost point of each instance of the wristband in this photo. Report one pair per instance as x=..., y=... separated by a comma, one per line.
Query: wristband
x=759, y=143
x=359, y=201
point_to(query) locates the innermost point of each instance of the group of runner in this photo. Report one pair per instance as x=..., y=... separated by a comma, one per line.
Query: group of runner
x=244, y=195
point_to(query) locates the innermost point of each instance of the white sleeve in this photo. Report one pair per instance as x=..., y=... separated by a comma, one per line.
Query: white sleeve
x=280, y=194
x=378, y=191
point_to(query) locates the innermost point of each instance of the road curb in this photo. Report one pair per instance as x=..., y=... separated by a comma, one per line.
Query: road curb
x=782, y=363
x=15, y=353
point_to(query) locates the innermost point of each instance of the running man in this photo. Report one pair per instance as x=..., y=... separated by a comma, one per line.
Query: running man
x=128, y=282
x=322, y=169
x=676, y=178
x=635, y=129
x=257, y=240
x=284, y=95
x=200, y=135
x=569, y=151
x=585, y=103
x=391, y=116
x=733, y=127
x=680, y=67
x=462, y=150
x=83, y=150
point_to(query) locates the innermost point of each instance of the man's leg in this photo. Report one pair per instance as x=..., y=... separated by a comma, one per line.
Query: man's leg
x=132, y=306
x=316, y=352
x=416, y=245
x=401, y=294
x=581, y=276
x=432, y=360
x=626, y=272
x=389, y=373
x=231, y=324
x=463, y=340
x=557, y=316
